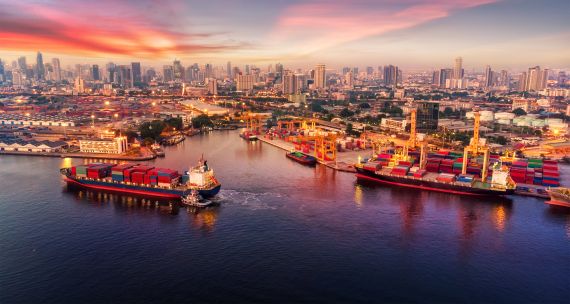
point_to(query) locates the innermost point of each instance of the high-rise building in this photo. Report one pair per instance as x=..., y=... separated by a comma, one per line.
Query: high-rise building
x=505, y=79
x=488, y=77
x=136, y=72
x=79, y=85
x=289, y=83
x=22, y=65
x=177, y=70
x=229, y=69
x=247, y=69
x=345, y=70
x=167, y=73
x=320, y=74
x=349, y=79
x=212, y=86
x=427, y=116
x=279, y=69
x=522, y=82
x=56, y=69
x=95, y=75
x=355, y=71
x=369, y=71
x=208, y=70
x=111, y=69
x=124, y=76
x=244, y=83
x=2, y=74
x=458, y=69
x=40, y=69
x=391, y=75
x=535, y=80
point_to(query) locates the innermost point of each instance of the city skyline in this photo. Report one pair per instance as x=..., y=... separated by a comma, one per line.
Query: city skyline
x=296, y=34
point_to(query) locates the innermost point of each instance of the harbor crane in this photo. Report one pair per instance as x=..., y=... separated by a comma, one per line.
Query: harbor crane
x=476, y=147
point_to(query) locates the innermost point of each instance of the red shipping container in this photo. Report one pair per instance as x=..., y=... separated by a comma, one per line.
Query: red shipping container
x=73, y=170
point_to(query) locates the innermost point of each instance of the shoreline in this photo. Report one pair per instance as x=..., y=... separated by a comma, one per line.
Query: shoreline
x=81, y=155
x=338, y=166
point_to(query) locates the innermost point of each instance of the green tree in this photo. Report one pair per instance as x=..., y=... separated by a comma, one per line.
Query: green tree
x=349, y=128
x=201, y=121
x=519, y=112
x=152, y=129
x=364, y=105
x=447, y=112
x=174, y=123
x=346, y=113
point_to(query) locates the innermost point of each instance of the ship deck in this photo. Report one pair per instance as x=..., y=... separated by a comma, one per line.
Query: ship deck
x=432, y=177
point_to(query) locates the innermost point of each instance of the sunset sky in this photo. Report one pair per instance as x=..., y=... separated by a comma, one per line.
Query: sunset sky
x=410, y=33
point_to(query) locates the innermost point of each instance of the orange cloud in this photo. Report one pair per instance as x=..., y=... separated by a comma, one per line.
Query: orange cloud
x=108, y=28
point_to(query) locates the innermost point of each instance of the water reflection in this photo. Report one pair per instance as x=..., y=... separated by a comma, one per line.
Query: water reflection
x=203, y=219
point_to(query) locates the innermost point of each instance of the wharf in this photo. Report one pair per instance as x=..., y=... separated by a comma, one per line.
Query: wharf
x=83, y=155
x=343, y=165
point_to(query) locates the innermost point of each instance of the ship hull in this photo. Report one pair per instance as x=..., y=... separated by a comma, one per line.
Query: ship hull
x=307, y=161
x=139, y=190
x=418, y=183
x=557, y=199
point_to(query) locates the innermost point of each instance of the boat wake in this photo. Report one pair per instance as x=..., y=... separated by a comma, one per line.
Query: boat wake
x=254, y=201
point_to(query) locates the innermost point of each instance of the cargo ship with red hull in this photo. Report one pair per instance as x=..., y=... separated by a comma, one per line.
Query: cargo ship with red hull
x=302, y=158
x=143, y=180
x=464, y=184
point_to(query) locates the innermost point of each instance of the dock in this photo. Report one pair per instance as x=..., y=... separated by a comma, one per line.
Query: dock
x=344, y=165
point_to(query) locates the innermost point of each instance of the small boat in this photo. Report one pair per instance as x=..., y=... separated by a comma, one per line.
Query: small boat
x=559, y=197
x=157, y=149
x=247, y=135
x=302, y=158
x=195, y=200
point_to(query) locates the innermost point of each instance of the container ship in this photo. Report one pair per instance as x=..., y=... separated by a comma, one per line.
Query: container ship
x=144, y=180
x=405, y=175
x=302, y=158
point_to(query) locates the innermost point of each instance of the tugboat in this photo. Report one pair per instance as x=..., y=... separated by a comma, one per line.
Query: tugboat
x=195, y=200
x=559, y=197
x=302, y=158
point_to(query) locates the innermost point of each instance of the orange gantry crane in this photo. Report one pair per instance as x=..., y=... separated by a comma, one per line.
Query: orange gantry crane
x=476, y=147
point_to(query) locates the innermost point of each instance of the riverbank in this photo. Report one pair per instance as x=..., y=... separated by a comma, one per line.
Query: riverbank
x=149, y=156
x=344, y=162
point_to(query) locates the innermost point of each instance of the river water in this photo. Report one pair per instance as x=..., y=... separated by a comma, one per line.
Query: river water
x=282, y=233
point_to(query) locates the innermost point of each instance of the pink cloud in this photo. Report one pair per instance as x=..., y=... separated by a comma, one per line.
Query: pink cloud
x=143, y=30
x=321, y=24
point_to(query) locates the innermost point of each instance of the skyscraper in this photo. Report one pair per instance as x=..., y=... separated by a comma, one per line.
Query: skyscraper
x=136, y=72
x=289, y=83
x=369, y=70
x=391, y=75
x=56, y=69
x=167, y=73
x=488, y=77
x=427, y=116
x=247, y=69
x=458, y=69
x=320, y=81
x=41, y=72
x=229, y=69
x=536, y=79
x=178, y=70
x=245, y=83
x=124, y=76
x=505, y=79
x=2, y=74
x=95, y=75
x=22, y=65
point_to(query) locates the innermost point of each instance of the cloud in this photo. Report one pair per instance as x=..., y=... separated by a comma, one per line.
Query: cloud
x=321, y=24
x=145, y=29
